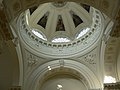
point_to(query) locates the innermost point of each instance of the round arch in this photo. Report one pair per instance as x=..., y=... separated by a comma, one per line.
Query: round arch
x=33, y=79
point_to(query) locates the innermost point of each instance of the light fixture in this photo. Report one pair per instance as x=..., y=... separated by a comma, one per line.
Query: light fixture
x=59, y=87
x=49, y=68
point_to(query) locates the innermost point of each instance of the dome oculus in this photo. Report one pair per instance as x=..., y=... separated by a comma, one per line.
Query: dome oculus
x=51, y=20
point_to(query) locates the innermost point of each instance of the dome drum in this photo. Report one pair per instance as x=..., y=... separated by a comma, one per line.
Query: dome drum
x=61, y=44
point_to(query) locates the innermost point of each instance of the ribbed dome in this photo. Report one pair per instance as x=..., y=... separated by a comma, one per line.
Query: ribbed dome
x=59, y=21
x=61, y=29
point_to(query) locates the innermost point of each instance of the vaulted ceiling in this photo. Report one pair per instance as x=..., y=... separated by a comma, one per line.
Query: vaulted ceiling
x=11, y=10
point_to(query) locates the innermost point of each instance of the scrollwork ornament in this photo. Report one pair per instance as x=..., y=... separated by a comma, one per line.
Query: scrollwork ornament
x=90, y=58
x=32, y=61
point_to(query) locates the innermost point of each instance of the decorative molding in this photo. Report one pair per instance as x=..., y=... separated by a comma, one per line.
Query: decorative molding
x=64, y=50
x=32, y=61
x=16, y=41
x=90, y=58
x=110, y=57
x=15, y=88
x=112, y=86
x=33, y=80
x=63, y=71
x=61, y=61
x=59, y=3
x=104, y=38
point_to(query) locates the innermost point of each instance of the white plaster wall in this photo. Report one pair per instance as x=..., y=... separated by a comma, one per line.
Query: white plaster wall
x=66, y=82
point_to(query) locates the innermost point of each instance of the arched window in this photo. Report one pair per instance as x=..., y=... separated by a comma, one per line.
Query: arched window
x=39, y=34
